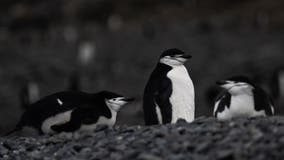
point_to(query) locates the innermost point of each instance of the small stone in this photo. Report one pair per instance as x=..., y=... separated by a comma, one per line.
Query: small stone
x=181, y=122
x=101, y=128
x=86, y=150
x=3, y=150
x=77, y=148
x=35, y=154
x=181, y=130
x=225, y=155
x=202, y=147
x=146, y=156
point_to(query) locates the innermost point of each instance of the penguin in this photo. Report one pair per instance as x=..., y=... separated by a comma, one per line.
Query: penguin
x=29, y=94
x=241, y=98
x=277, y=88
x=277, y=83
x=169, y=92
x=74, y=81
x=72, y=111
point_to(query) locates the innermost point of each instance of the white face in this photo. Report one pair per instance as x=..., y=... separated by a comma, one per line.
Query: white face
x=176, y=60
x=237, y=87
x=116, y=103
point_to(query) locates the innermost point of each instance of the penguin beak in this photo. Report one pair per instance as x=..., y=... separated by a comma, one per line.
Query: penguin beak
x=186, y=56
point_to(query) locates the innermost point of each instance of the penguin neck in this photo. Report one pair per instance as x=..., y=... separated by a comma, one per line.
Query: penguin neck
x=179, y=73
x=112, y=111
x=242, y=92
x=112, y=119
x=163, y=65
x=160, y=64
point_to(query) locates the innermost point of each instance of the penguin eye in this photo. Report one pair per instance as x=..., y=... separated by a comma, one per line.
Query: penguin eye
x=113, y=99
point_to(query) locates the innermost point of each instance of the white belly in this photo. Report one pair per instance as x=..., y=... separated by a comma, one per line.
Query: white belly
x=241, y=106
x=60, y=118
x=101, y=121
x=182, y=97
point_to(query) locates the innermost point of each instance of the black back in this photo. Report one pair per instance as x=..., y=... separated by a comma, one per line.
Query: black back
x=86, y=108
x=225, y=101
x=157, y=91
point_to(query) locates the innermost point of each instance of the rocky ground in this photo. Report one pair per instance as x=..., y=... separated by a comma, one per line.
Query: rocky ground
x=206, y=138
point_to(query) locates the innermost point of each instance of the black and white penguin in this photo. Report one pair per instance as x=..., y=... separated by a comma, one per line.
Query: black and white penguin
x=277, y=83
x=72, y=111
x=74, y=82
x=169, y=93
x=29, y=93
x=241, y=98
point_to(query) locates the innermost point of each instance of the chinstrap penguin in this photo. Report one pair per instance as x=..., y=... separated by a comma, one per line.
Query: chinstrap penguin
x=241, y=98
x=74, y=81
x=277, y=83
x=29, y=94
x=72, y=111
x=169, y=92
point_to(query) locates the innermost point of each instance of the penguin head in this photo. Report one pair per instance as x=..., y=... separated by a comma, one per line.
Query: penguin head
x=174, y=57
x=115, y=101
x=237, y=85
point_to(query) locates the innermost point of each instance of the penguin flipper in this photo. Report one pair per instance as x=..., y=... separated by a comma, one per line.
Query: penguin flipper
x=150, y=115
x=70, y=126
x=163, y=102
x=223, y=100
x=84, y=114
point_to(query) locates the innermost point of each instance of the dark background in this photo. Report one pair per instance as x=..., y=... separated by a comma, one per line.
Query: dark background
x=43, y=41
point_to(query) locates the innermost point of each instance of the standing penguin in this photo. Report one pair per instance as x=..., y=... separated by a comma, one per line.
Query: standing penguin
x=29, y=94
x=74, y=81
x=277, y=83
x=241, y=98
x=169, y=93
x=72, y=111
